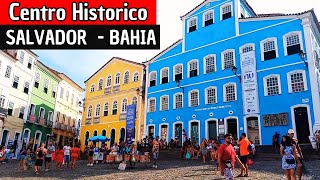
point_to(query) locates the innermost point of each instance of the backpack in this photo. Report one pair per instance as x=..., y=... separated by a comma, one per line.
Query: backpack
x=40, y=153
x=250, y=148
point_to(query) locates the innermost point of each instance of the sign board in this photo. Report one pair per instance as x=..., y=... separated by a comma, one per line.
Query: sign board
x=249, y=83
x=130, y=118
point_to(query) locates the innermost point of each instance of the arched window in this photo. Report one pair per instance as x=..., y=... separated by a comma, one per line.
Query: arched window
x=92, y=88
x=229, y=92
x=228, y=59
x=136, y=77
x=164, y=103
x=100, y=84
x=117, y=79
x=115, y=108
x=292, y=42
x=124, y=105
x=126, y=77
x=193, y=68
x=178, y=100
x=109, y=81
x=106, y=109
x=177, y=72
x=89, y=115
x=98, y=107
x=164, y=75
x=211, y=95
x=153, y=78
x=269, y=49
x=134, y=100
x=152, y=105
x=194, y=98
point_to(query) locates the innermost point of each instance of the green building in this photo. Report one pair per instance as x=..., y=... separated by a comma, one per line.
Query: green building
x=38, y=127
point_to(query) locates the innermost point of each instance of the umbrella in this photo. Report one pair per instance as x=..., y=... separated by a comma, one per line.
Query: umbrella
x=99, y=139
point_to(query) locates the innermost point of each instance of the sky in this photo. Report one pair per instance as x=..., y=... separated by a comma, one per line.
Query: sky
x=79, y=65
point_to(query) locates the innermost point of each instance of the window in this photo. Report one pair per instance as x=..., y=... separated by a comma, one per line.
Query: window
x=30, y=63
x=92, y=88
x=211, y=95
x=37, y=80
x=61, y=92
x=46, y=85
x=33, y=110
x=72, y=98
x=269, y=49
x=15, y=82
x=297, y=81
x=177, y=72
x=247, y=48
x=50, y=116
x=226, y=11
x=178, y=101
x=26, y=87
x=89, y=115
x=42, y=112
x=164, y=103
x=126, y=77
x=292, y=42
x=21, y=57
x=67, y=96
x=10, y=108
x=117, y=79
x=228, y=59
x=134, y=100
x=2, y=100
x=106, y=109
x=21, y=112
x=114, y=108
x=193, y=68
x=100, y=84
x=164, y=75
x=192, y=24
x=97, y=114
x=194, y=98
x=54, y=91
x=210, y=64
x=272, y=85
x=152, y=105
x=208, y=18
x=229, y=92
x=136, y=77
x=153, y=79
x=124, y=105
x=109, y=81
x=8, y=72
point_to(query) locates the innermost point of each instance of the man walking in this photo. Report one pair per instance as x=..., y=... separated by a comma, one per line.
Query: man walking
x=155, y=151
x=227, y=158
x=40, y=153
x=298, y=152
x=244, y=154
x=66, y=151
x=50, y=150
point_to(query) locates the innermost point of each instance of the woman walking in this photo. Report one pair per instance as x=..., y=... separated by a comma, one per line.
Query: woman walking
x=289, y=158
x=203, y=149
x=75, y=154
x=22, y=156
x=90, y=154
x=59, y=155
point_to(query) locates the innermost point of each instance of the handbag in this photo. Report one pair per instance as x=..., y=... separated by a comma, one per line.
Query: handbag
x=122, y=166
x=249, y=162
x=188, y=155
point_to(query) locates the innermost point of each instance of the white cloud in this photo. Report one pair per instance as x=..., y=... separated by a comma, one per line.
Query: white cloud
x=81, y=64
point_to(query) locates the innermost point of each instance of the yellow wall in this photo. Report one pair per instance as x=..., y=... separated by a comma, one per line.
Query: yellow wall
x=127, y=91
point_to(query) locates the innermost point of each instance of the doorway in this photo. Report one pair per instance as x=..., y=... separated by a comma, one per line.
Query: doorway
x=253, y=131
x=212, y=129
x=112, y=137
x=16, y=141
x=122, y=134
x=302, y=124
x=232, y=127
x=195, y=132
x=86, y=137
x=164, y=132
x=178, y=133
x=5, y=137
x=37, y=140
x=150, y=131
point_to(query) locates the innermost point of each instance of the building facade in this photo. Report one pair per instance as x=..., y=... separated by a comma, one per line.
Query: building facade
x=38, y=127
x=66, y=109
x=236, y=71
x=115, y=85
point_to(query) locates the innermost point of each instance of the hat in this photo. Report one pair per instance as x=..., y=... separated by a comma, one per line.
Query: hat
x=290, y=131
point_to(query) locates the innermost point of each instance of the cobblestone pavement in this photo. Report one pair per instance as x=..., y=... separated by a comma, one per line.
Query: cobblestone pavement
x=169, y=169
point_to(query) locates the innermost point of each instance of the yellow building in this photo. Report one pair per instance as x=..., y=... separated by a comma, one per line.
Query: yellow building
x=115, y=85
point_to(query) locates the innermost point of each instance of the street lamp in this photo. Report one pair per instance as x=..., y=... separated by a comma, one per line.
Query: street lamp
x=178, y=84
x=303, y=56
x=234, y=70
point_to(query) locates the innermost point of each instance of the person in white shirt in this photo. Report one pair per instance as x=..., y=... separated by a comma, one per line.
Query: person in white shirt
x=66, y=150
x=50, y=150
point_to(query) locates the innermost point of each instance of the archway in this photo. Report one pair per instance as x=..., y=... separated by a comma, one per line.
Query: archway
x=211, y=128
x=232, y=127
x=253, y=130
x=122, y=135
x=178, y=132
x=301, y=118
x=112, y=137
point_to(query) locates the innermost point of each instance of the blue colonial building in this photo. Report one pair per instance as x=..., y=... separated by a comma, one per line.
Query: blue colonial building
x=236, y=71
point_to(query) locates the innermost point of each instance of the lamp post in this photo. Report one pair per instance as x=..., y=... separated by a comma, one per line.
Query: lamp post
x=178, y=85
x=303, y=56
x=234, y=70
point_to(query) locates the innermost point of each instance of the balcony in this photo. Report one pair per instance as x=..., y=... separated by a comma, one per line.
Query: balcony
x=58, y=125
x=96, y=120
x=49, y=123
x=88, y=120
x=69, y=128
x=3, y=112
x=32, y=118
x=107, y=90
x=63, y=127
x=41, y=121
x=123, y=116
x=116, y=89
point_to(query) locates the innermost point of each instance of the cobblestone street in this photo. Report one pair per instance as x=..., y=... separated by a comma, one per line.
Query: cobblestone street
x=167, y=169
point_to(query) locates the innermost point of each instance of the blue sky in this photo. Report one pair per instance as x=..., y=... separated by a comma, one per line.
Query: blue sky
x=81, y=64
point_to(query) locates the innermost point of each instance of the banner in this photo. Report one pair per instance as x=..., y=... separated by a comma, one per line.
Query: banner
x=130, y=118
x=249, y=83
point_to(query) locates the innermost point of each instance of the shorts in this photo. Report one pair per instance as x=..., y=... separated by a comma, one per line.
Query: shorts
x=204, y=151
x=91, y=153
x=39, y=162
x=155, y=155
x=21, y=157
x=244, y=159
x=48, y=159
x=67, y=159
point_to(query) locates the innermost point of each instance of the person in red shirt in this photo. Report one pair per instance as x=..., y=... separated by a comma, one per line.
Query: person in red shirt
x=227, y=157
x=244, y=154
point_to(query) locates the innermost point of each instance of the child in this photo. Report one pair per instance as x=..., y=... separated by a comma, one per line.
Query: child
x=59, y=155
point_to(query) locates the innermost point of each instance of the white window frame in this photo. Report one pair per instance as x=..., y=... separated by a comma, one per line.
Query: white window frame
x=265, y=87
x=122, y=105
x=189, y=97
x=161, y=74
x=95, y=112
x=246, y=45
x=10, y=72
x=135, y=100
x=205, y=64
x=150, y=78
x=50, y=119
x=124, y=77
x=304, y=80
x=94, y=87
x=204, y=15
x=115, y=79
x=161, y=103
x=12, y=108
x=262, y=46
x=110, y=80
x=115, y=108
x=133, y=77
x=225, y=93
x=174, y=100
x=284, y=39
x=89, y=111
x=188, y=23
x=106, y=104
x=222, y=57
x=206, y=94
x=44, y=112
x=221, y=9
x=193, y=60
x=155, y=104
x=99, y=85
x=174, y=71
x=14, y=81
